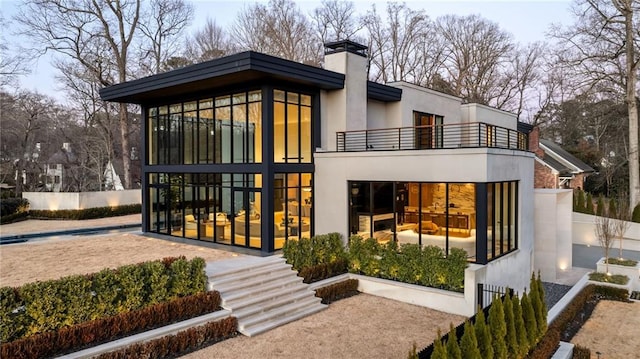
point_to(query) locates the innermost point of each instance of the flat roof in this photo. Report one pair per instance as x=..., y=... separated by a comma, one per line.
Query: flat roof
x=247, y=66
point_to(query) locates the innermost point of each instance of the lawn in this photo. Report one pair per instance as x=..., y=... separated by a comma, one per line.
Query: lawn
x=612, y=330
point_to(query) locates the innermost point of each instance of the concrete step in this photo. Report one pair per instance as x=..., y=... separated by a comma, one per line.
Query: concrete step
x=263, y=288
x=267, y=325
x=240, y=265
x=277, y=312
x=259, y=297
x=232, y=283
x=268, y=305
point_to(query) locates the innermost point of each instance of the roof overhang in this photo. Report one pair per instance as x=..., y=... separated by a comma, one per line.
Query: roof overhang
x=244, y=67
x=384, y=93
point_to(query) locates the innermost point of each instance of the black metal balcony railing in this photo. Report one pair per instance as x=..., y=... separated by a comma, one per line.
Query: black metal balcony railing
x=468, y=135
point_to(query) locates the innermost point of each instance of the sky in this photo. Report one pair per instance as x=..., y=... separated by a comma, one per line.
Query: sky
x=526, y=20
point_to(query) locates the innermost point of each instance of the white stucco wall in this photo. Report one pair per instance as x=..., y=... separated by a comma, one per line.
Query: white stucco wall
x=377, y=115
x=81, y=200
x=416, y=98
x=553, y=247
x=334, y=170
x=474, y=112
x=583, y=232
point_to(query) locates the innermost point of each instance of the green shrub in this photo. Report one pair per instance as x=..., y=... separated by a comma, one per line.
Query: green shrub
x=529, y=317
x=323, y=271
x=453, y=349
x=439, y=349
x=510, y=323
x=614, y=278
x=600, y=206
x=521, y=331
x=537, y=304
x=588, y=208
x=611, y=293
x=13, y=205
x=469, y=343
x=541, y=316
x=87, y=213
x=45, y=306
x=635, y=216
x=320, y=249
x=69, y=338
x=498, y=329
x=579, y=207
x=612, y=208
x=623, y=262
x=483, y=335
x=410, y=263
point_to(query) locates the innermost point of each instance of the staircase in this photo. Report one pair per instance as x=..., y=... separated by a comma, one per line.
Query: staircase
x=263, y=293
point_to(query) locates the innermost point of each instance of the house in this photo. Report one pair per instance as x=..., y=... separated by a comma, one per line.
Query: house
x=251, y=150
x=59, y=169
x=555, y=168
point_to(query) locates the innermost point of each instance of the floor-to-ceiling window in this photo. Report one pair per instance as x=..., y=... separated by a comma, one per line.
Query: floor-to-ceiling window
x=439, y=214
x=223, y=202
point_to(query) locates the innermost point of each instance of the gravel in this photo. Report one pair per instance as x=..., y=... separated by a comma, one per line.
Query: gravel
x=553, y=292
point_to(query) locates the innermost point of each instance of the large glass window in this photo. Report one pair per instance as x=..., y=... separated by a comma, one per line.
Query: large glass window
x=291, y=127
x=224, y=129
x=293, y=197
x=438, y=214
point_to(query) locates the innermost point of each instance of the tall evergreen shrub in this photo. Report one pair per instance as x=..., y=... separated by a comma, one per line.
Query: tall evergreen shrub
x=511, y=339
x=521, y=331
x=453, y=350
x=579, y=201
x=483, y=335
x=469, y=343
x=589, y=205
x=439, y=350
x=600, y=204
x=612, y=208
x=541, y=317
x=498, y=329
x=529, y=318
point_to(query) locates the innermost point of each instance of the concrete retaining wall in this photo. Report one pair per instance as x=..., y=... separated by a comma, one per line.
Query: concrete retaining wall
x=81, y=200
x=583, y=232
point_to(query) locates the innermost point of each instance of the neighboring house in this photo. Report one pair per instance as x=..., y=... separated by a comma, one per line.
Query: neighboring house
x=251, y=150
x=59, y=169
x=556, y=168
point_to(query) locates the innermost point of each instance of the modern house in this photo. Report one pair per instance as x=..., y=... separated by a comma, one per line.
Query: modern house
x=555, y=168
x=252, y=150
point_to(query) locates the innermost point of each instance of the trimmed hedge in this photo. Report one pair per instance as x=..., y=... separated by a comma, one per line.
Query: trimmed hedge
x=13, y=209
x=581, y=352
x=323, y=271
x=410, y=263
x=605, y=278
x=183, y=342
x=623, y=262
x=50, y=305
x=88, y=213
x=337, y=291
x=95, y=332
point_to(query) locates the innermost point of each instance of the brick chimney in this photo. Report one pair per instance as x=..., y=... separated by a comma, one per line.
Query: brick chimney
x=534, y=142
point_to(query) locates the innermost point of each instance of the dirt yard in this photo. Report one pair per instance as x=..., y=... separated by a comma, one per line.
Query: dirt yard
x=612, y=330
x=363, y=326
x=27, y=262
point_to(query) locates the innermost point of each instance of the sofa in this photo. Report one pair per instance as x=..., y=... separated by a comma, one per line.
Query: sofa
x=466, y=243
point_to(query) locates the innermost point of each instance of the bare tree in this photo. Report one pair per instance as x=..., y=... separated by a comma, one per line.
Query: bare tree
x=336, y=20
x=403, y=47
x=605, y=232
x=622, y=220
x=278, y=29
x=98, y=34
x=600, y=49
x=476, y=51
x=165, y=21
x=11, y=65
x=208, y=43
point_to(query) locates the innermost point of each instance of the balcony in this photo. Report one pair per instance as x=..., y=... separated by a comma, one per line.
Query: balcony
x=468, y=135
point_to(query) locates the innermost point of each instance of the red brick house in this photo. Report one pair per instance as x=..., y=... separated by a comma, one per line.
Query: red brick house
x=555, y=167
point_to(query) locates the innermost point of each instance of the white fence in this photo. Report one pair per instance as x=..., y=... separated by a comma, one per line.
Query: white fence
x=81, y=200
